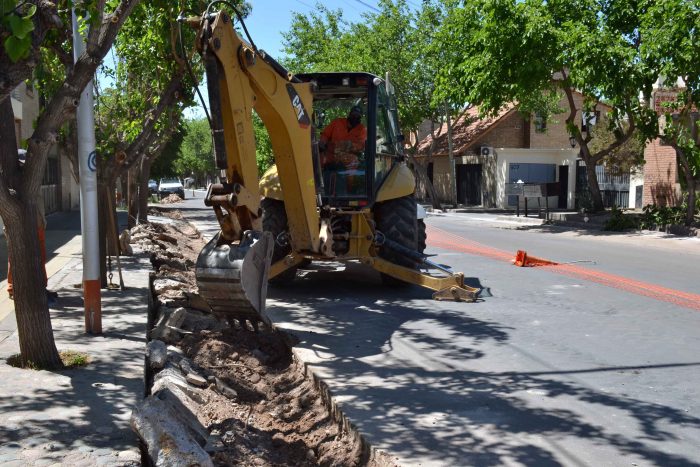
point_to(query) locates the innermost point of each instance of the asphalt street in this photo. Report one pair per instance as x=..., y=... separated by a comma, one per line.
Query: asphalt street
x=590, y=363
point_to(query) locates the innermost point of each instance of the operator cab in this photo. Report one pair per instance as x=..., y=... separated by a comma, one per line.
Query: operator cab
x=354, y=157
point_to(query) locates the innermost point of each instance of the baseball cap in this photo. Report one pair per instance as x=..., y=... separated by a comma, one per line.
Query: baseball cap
x=356, y=108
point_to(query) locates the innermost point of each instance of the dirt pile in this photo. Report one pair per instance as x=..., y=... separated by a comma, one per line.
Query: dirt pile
x=228, y=396
x=170, y=199
x=165, y=212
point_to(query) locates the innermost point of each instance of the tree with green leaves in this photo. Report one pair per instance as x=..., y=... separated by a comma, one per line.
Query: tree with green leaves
x=395, y=40
x=672, y=46
x=533, y=52
x=140, y=111
x=23, y=44
x=195, y=157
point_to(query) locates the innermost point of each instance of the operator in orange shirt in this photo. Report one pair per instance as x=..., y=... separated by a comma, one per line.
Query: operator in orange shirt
x=343, y=140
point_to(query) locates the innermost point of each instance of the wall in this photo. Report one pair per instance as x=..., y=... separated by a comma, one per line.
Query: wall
x=507, y=156
x=70, y=193
x=556, y=135
x=661, y=185
x=509, y=133
x=636, y=179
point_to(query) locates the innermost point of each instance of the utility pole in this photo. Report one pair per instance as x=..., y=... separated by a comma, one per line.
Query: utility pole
x=87, y=156
x=451, y=158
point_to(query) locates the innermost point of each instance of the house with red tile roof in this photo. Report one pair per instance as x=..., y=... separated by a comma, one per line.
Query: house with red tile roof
x=492, y=152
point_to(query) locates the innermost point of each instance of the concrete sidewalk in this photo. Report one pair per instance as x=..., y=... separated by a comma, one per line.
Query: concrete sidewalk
x=76, y=417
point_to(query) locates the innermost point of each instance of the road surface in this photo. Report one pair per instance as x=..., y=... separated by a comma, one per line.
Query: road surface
x=591, y=363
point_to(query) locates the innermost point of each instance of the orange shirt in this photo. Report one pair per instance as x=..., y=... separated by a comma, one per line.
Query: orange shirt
x=342, y=141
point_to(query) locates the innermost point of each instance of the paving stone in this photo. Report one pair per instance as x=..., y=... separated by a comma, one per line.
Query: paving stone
x=18, y=463
x=103, y=452
x=8, y=456
x=196, y=380
x=157, y=354
x=45, y=461
x=132, y=455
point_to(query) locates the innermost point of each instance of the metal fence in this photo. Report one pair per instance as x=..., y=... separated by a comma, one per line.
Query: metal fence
x=614, y=187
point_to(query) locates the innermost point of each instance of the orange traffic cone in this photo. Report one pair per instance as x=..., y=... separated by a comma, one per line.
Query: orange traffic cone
x=523, y=260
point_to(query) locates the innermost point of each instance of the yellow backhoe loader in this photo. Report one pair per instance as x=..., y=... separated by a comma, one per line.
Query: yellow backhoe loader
x=305, y=208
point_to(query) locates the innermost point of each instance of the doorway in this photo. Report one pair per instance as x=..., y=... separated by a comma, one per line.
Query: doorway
x=469, y=184
x=563, y=186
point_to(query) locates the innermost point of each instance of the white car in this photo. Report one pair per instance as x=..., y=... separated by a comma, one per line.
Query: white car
x=168, y=186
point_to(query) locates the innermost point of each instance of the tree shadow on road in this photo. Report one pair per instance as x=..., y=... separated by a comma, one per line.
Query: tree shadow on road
x=409, y=373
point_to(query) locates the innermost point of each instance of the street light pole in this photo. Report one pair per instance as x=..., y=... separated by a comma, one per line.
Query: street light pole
x=87, y=156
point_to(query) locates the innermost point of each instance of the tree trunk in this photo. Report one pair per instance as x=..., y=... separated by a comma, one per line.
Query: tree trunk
x=690, y=185
x=419, y=170
x=133, y=198
x=143, y=189
x=105, y=188
x=18, y=208
x=593, y=187
x=36, y=341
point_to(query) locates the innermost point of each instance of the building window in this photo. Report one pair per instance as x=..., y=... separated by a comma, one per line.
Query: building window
x=589, y=120
x=540, y=123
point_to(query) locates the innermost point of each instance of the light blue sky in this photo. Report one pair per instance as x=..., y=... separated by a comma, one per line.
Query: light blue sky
x=270, y=18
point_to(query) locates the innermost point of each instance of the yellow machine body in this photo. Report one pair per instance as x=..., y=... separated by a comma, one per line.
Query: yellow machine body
x=318, y=220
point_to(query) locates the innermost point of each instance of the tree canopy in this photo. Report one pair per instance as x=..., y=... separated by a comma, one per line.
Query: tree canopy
x=528, y=51
x=395, y=40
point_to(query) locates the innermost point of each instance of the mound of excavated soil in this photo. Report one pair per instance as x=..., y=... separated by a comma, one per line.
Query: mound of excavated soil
x=166, y=212
x=249, y=391
x=170, y=199
x=280, y=417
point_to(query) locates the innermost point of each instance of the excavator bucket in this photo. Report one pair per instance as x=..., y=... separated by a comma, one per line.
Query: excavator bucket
x=232, y=278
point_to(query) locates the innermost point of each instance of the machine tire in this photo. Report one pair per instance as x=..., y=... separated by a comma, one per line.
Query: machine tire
x=397, y=220
x=274, y=220
x=422, y=236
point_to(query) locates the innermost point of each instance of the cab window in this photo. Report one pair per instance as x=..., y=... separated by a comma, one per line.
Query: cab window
x=342, y=136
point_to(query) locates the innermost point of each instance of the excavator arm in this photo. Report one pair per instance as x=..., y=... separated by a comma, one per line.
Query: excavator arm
x=232, y=269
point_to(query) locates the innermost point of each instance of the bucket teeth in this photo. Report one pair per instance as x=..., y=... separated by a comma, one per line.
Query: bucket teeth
x=232, y=278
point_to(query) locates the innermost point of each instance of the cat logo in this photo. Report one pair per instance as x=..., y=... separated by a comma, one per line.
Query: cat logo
x=302, y=116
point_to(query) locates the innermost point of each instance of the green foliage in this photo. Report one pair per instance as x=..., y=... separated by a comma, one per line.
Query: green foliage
x=163, y=165
x=395, y=40
x=509, y=52
x=195, y=156
x=628, y=156
x=17, y=24
x=73, y=359
x=619, y=221
x=662, y=217
x=263, y=147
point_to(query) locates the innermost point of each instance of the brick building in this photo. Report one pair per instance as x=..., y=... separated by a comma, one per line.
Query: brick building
x=492, y=152
x=660, y=185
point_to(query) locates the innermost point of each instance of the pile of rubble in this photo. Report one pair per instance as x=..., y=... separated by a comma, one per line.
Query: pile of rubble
x=218, y=395
x=170, y=199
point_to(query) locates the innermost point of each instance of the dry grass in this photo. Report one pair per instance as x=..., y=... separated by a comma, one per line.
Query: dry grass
x=70, y=359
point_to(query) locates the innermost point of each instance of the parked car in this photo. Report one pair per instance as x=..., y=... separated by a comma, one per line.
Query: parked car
x=152, y=187
x=168, y=186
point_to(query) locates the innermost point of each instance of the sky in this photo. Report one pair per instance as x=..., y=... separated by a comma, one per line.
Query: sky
x=270, y=18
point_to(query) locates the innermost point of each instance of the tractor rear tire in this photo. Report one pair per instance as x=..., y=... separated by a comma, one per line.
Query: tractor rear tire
x=274, y=220
x=397, y=220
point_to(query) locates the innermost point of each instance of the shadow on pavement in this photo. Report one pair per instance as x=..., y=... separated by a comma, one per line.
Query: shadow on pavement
x=82, y=409
x=406, y=372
